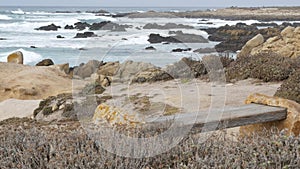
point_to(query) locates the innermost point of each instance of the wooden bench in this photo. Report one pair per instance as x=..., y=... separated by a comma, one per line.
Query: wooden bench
x=218, y=119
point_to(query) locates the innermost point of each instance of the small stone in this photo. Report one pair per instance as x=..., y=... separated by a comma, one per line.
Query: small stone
x=54, y=107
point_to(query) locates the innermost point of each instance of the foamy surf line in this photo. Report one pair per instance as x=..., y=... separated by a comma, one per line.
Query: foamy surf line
x=5, y=17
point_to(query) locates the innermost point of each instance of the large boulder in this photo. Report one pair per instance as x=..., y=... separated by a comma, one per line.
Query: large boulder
x=129, y=69
x=151, y=75
x=86, y=70
x=62, y=67
x=286, y=44
x=252, y=43
x=291, y=124
x=290, y=89
x=81, y=25
x=109, y=68
x=45, y=62
x=186, y=68
x=51, y=27
x=16, y=57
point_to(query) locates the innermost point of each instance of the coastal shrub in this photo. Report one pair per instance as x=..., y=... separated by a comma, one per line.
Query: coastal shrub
x=290, y=89
x=25, y=143
x=265, y=66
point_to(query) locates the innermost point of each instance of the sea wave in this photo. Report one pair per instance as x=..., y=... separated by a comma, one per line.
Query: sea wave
x=29, y=57
x=18, y=12
x=5, y=17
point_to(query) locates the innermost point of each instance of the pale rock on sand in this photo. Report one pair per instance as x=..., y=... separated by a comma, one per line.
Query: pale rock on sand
x=252, y=43
x=16, y=57
x=286, y=44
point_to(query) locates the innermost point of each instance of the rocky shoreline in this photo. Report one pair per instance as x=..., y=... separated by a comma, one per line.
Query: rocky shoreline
x=233, y=13
x=47, y=110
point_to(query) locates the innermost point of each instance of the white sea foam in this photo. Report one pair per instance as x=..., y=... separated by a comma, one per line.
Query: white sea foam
x=29, y=57
x=5, y=17
x=18, y=12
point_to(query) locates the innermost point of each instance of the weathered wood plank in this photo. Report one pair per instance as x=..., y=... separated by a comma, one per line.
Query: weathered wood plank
x=221, y=118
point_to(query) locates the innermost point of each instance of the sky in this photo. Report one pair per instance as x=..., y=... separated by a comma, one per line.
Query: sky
x=151, y=3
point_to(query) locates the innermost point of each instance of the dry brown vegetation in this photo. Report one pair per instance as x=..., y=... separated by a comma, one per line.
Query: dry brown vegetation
x=25, y=143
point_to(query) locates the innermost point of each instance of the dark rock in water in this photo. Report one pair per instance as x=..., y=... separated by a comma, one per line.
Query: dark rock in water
x=98, y=26
x=156, y=38
x=101, y=11
x=86, y=70
x=85, y=35
x=60, y=37
x=107, y=25
x=205, y=50
x=3, y=39
x=45, y=62
x=290, y=89
x=124, y=39
x=82, y=49
x=272, y=24
x=178, y=38
x=233, y=38
x=69, y=27
x=265, y=66
x=181, y=50
x=151, y=75
x=206, y=23
x=150, y=48
x=81, y=25
x=51, y=27
x=167, y=26
x=33, y=47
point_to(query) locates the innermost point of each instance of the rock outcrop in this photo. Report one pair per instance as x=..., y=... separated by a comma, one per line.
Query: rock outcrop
x=186, y=68
x=129, y=69
x=291, y=124
x=233, y=38
x=58, y=107
x=167, y=26
x=205, y=50
x=31, y=82
x=286, y=44
x=151, y=75
x=109, y=69
x=265, y=66
x=85, y=35
x=16, y=57
x=179, y=37
x=51, y=27
x=252, y=43
x=86, y=70
x=290, y=88
x=45, y=62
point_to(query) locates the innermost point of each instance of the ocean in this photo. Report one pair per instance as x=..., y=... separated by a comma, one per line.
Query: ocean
x=17, y=28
